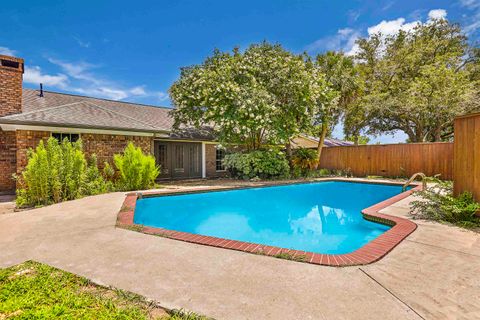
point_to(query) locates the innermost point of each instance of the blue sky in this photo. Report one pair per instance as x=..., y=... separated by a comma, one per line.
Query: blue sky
x=132, y=50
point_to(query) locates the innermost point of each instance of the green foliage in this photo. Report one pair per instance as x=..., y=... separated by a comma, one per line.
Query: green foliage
x=94, y=182
x=263, y=164
x=263, y=95
x=335, y=71
x=137, y=170
x=324, y=172
x=415, y=81
x=108, y=171
x=55, y=172
x=35, y=291
x=438, y=203
x=304, y=160
x=358, y=139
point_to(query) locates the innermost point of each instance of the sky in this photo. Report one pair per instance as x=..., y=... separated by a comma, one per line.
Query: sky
x=133, y=51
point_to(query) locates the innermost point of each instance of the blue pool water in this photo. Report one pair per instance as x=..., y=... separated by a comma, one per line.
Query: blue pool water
x=321, y=217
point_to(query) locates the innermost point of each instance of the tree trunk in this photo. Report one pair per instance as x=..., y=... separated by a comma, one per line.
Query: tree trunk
x=321, y=141
x=355, y=140
x=438, y=135
x=288, y=148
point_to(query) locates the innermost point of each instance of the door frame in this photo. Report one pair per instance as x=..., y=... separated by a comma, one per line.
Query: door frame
x=192, y=157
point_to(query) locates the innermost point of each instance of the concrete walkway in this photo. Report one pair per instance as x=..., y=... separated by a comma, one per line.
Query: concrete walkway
x=433, y=274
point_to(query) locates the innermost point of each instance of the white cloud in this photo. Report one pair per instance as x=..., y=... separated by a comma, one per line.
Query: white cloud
x=7, y=52
x=138, y=91
x=437, y=14
x=345, y=38
x=82, y=43
x=92, y=84
x=161, y=96
x=82, y=78
x=472, y=21
x=470, y=4
x=101, y=92
x=391, y=27
x=342, y=41
x=353, y=15
x=34, y=75
x=78, y=70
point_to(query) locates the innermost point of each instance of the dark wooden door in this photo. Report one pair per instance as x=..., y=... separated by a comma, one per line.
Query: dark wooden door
x=179, y=160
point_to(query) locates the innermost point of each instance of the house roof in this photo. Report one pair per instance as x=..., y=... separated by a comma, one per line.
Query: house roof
x=58, y=109
x=329, y=142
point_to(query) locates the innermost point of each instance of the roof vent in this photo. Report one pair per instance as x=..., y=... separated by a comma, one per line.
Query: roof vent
x=41, y=90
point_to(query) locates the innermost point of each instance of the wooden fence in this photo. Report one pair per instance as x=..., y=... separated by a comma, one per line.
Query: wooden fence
x=467, y=155
x=392, y=160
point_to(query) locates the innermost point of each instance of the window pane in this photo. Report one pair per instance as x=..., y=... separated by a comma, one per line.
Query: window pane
x=72, y=137
x=220, y=154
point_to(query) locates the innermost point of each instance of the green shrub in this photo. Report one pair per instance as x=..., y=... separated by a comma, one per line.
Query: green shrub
x=305, y=160
x=438, y=203
x=263, y=164
x=324, y=172
x=54, y=172
x=137, y=171
x=94, y=182
x=58, y=172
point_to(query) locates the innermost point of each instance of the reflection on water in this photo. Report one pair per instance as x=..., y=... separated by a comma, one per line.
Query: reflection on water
x=317, y=221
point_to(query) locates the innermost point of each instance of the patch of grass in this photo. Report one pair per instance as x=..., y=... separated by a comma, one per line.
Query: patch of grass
x=375, y=177
x=135, y=227
x=288, y=256
x=36, y=291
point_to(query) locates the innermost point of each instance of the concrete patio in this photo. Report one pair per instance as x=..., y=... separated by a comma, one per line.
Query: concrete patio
x=433, y=274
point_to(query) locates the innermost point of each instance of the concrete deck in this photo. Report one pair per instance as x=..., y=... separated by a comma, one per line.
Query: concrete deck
x=433, y=274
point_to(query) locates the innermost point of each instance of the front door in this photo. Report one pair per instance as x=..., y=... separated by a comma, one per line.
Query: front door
x=179, y=160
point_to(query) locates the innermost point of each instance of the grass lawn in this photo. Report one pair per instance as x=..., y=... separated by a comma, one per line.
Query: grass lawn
x=33, y=290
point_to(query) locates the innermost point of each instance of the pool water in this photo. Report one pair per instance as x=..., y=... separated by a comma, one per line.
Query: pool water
x=321, y=217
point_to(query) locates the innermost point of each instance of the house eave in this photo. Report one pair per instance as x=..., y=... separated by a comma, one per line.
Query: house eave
x=12, y=125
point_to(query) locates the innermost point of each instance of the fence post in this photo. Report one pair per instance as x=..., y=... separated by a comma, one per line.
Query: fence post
x=466, y=152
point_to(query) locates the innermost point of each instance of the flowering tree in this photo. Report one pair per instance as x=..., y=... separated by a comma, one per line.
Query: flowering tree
x=264, y=95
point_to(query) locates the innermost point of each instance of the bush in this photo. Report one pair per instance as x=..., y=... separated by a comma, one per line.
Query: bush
x=438, y=203
x=304, y=160
x=57, y=172
x=263, y=164
x=94, y=182
x=137, y=170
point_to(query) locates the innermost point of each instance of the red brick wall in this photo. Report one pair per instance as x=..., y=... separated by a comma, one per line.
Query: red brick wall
x=8, y=160
x=28, y=140
x=106, y=145
x=10, y=85
x=210, y=163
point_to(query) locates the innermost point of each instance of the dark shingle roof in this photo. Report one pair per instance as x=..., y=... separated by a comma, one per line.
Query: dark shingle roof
x=60, y=109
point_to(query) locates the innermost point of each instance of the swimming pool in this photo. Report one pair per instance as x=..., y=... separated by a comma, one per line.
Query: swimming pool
x=322, y=217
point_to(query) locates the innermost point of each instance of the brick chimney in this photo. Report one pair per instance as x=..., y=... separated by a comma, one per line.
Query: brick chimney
x=11, y=77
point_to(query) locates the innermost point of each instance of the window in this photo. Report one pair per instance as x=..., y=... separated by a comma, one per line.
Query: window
x=219, y=156
x=72, y=137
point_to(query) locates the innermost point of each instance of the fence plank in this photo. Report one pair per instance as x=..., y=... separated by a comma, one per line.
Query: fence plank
x=467, y=155
x=392, y=160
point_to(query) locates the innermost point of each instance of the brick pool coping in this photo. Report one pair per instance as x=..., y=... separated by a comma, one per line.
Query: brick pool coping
x=369, y=253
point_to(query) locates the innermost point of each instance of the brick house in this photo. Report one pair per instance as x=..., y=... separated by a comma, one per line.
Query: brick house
x=28, y=116
x=105, y=127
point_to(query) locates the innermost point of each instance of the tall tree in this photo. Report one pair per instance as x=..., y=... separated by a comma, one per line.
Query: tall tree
x=416, y=81
x=336, y=74
x=264, y=95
